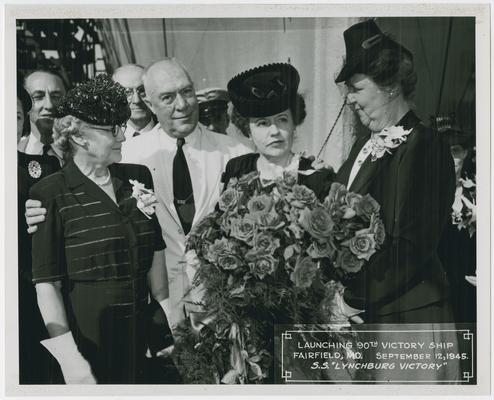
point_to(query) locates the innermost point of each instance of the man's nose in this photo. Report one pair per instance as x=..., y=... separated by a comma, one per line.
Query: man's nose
x=135, y=98
x=180, y=102
x=48, y=103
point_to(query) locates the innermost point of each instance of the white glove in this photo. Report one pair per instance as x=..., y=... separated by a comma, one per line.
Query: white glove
x=347, y=311
x=75, y=368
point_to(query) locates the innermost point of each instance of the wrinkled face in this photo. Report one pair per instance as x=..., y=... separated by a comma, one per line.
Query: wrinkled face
x=20, y=120
x=273, y=135
x=171, y=96
x=131, y=79
x=368, y=100
x=46, y=91
x=103, y=143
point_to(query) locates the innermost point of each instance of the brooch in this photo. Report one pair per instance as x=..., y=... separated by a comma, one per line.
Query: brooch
x=34, y=169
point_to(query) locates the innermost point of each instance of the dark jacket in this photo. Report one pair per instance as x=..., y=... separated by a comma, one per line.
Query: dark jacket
x=415, y=188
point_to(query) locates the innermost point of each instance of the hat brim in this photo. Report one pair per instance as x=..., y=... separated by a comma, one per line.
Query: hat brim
x=346, y=72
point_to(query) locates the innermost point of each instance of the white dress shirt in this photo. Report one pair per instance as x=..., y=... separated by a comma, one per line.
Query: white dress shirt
x=365, y=151
x=131, y=129
x=207, y=154
x=32, y=145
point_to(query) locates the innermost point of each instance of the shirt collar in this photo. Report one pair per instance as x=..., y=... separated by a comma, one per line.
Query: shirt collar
x=192, y=139
x=33, y=145
x=269, y=171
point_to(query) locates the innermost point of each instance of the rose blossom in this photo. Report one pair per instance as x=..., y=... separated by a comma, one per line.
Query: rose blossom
x=263, y=265
x=304, y=272
x=290, y=178
x=336, y=195
x=367, y=206
x=259, y=205
x=219, y=247
x=228, y=199
x=266, y=243
x=303, y=196
x=362, y=244
x=347, y=261
x=377, y=228
x=229, y=262
x=317, y=222
x=271, y=220
x=243, y=229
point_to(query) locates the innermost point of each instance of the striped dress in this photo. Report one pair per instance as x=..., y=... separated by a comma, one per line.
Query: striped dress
x=101, y=251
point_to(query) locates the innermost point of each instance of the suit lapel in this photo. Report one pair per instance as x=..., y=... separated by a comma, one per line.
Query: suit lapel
x=344, y=172
x=166, y=175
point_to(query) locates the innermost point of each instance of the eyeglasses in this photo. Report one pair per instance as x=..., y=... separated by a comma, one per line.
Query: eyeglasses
x=114, y=130
x=139, y=90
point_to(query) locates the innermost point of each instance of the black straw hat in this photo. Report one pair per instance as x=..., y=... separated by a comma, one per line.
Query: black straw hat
x=363, y=42
x=99, y=101
x=264, y=91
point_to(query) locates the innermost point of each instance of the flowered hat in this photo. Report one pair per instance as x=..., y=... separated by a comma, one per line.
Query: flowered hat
x=363, y=42
x=264, y=91
x=99, y=101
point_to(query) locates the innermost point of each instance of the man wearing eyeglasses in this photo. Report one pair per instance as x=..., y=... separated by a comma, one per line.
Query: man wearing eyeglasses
x=141, y=118
x=46, y=90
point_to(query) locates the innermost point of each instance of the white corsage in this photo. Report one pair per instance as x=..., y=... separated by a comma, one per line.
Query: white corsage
x=386, y=140
x=146, y=200
x=464, y=209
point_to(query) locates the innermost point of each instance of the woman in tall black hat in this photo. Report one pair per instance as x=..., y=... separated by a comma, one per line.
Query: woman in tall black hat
x=99, y=252
x=409, y=171
x=270, y=110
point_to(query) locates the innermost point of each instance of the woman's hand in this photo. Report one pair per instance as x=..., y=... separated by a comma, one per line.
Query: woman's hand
x=35, y=214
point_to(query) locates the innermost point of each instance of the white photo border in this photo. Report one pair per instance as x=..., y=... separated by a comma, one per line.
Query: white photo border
x=483, y=106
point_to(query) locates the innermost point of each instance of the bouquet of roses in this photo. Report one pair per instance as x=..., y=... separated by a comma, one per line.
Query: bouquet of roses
x=464, y=209
x=271, y=254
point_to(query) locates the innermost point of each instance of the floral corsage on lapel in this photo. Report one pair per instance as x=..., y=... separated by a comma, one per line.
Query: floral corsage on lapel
x=386, y=140
x=146, y=200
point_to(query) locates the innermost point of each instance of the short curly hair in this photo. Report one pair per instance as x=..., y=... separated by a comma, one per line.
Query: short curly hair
x=63, y=129
x=297, y=108
x=391, y=67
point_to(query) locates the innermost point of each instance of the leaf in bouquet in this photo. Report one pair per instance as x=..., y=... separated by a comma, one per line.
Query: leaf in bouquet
x=304, y=272
x=231, y=377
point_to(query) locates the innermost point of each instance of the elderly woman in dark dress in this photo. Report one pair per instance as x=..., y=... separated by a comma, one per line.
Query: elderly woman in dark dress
x=412, y=178
x=100, y=252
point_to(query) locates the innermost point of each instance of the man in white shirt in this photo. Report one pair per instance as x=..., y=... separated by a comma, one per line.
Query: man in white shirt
x=46, y=90
x=171, y=96
x=141, y=118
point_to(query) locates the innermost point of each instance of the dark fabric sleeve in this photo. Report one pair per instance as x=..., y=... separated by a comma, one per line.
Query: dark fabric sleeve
x=424, y=194
x=48, y=243
x=239, y=166
x=147, y=179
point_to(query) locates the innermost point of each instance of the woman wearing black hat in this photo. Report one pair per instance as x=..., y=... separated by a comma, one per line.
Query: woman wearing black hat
x=409, y=171
x=100, y=251
x=271, y=109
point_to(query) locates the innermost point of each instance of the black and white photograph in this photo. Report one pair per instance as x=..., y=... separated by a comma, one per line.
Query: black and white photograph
x=269, y=198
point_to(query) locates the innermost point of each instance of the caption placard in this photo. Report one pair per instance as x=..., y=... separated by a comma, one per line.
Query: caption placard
x=419, y=353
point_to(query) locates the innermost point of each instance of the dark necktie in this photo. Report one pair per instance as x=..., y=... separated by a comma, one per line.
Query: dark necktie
x=46, y=149
x=182, y=188
x=136, y=134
